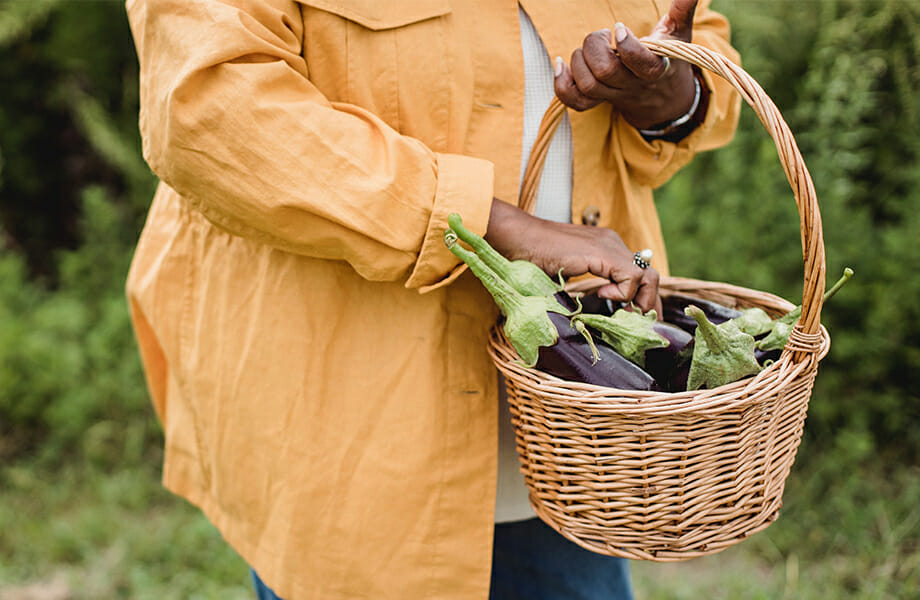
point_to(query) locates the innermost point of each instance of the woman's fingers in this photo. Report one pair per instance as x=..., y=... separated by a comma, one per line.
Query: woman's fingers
x=580, y=249
x=636, y=57
x=601, y=60
x=647, y=297
x=641, y=291
x=586, y=80
x=595, y=74
x=599, y=73
x=677, y=23
x=568, y=91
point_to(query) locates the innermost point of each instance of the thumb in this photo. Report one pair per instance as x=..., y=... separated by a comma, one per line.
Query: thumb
x=678, y=22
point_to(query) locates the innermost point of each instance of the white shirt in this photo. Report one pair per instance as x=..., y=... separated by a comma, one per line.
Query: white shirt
x=554, y=202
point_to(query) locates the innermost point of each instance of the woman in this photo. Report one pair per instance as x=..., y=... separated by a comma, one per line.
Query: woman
x=312, y=349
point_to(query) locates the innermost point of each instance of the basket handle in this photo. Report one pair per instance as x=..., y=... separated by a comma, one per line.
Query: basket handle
x=790, y=157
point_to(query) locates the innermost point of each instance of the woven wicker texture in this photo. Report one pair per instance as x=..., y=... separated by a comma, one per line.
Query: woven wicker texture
x=658, y=476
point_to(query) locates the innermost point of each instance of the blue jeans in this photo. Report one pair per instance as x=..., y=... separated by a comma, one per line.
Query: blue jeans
x=263, y=592
x=530, y=561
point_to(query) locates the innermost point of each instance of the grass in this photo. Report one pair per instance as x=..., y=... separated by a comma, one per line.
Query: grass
x=79, y=531
x=84, y=533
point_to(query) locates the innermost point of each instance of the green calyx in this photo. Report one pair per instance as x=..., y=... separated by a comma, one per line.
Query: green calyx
x=721, y=353
x=522, y=275
x=628, y=332
x=527, y=324
x=780, y=329
x=754, y=321
x=778, y=336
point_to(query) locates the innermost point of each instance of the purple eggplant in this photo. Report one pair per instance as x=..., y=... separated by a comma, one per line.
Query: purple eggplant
x=527, y=324
x=594, y=304
x=574, y=358
x=540, y=329
x=769, y=334
x=673, y=309
x=670, y=366
x=572, y=304
x=629, y=332
x=766, y=357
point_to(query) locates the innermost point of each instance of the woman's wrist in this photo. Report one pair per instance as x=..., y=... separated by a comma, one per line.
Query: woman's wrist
x=500, y=215
x=665, y=128
x=507, y=224
x=679, y=128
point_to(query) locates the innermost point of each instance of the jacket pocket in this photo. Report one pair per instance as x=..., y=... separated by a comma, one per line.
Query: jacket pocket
x=378, y=15
x=392, y=59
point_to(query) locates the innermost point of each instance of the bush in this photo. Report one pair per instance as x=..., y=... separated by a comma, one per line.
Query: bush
x=70, y=375
x=74, y=190
x=843, y=74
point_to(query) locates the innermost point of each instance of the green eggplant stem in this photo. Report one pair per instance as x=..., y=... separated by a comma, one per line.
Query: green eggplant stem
x=522, y=275
x=527, y=323
x=506, y=297
x=847, y=273
x=778, y=335
x=796, y=312
x=706, y=329
x=629, y=333
x=579, y=326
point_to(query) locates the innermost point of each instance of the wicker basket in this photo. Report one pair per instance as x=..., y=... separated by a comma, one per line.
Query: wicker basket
x=659, y=476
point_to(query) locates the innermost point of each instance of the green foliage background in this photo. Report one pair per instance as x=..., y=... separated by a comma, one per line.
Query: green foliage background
x=843, y=74
x=74, y=190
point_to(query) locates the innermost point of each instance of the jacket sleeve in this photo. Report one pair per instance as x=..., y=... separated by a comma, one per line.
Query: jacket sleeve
x=230, y=120
x=653, y=163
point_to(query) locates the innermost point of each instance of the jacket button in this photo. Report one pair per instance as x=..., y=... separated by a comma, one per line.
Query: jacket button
x=591, y=215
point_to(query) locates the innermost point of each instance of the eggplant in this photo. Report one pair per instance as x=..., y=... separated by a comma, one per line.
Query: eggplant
x=629, y=332
x=670, y=366
x=573, y=358
x=673, y=309
x=541, y=330
x=572, y=304
x=770, y=334
x=594, y=304
x=766, y=357
x=527, y=324
x=572, y=363
x=661, y=349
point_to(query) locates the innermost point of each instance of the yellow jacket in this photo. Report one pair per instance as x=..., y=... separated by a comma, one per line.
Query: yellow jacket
x=336, y=425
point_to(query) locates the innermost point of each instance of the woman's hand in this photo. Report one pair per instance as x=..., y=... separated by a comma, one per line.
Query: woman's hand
x=574, y=250
x=644, y=87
